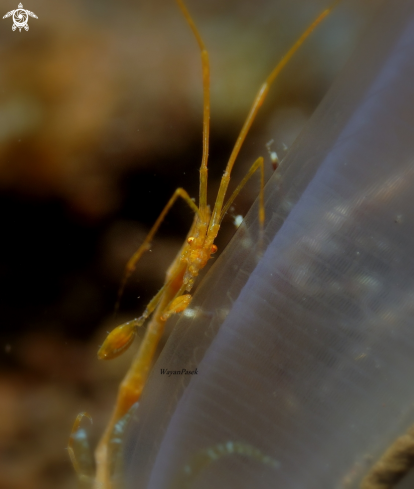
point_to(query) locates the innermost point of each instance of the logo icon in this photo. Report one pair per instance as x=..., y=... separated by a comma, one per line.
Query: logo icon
x=20, y=18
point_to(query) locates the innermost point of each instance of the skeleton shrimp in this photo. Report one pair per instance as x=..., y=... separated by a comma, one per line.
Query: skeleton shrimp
x=175, y=295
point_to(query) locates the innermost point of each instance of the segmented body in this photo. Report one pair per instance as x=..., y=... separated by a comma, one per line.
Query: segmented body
x=196, y=251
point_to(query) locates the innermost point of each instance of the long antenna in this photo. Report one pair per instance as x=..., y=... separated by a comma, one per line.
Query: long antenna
x=206, y=107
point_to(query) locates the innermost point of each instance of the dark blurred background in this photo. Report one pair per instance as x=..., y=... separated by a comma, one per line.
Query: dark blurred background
x=100, y=120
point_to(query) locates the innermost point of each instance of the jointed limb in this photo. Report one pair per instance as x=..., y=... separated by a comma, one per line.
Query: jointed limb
x=80, y=453
x=131, y=387
x=120, y=338
x=256, y=165
x=171, y=299
x=130, y=267
x=258, y=101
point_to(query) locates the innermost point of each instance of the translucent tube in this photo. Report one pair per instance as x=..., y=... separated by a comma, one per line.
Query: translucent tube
x=305, y=354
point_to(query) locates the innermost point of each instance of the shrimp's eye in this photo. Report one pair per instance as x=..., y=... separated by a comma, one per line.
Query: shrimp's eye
x=190, y=239
x=213, y=249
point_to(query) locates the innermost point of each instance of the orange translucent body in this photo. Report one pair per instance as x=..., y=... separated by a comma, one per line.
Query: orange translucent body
x=196, y=251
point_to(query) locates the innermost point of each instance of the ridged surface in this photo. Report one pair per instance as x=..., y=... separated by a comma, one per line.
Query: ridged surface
x=308, y=353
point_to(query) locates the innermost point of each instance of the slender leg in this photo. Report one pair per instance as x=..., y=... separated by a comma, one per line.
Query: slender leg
x=256, y=165
x=258, y=101
x=130, y=267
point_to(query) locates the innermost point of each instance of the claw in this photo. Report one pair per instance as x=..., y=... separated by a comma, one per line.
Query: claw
x=179, y=304
x=79, y=451
x=119, y=340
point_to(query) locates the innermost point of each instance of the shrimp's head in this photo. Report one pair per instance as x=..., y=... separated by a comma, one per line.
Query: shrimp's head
x=196, y=256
